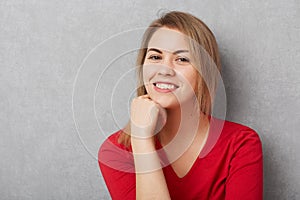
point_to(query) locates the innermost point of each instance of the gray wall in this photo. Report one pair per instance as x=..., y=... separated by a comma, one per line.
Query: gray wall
x=47, y=153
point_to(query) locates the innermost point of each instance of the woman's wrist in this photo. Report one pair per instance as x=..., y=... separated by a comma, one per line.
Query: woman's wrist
x=145, y=156
x=143, y=145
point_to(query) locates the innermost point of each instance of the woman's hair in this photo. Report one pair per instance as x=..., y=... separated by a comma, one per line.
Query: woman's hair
x=205, y=57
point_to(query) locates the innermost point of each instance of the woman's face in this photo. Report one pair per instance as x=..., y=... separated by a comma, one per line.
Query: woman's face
x=169, y=77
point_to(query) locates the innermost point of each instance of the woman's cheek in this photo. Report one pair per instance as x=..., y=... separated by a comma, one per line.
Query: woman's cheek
x=148, y=73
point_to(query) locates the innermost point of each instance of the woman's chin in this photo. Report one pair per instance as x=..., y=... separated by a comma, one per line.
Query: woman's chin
x=167, y=103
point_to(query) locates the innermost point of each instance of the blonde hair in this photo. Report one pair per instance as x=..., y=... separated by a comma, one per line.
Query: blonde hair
x=204, y=50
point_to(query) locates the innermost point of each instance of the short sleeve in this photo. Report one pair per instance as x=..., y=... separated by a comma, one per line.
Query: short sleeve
x=117, y=168
x=245, y=179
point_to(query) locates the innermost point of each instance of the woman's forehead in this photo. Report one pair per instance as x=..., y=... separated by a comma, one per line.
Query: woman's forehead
x=168, y=40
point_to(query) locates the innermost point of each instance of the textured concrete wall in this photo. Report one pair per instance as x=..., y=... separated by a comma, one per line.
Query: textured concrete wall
x=44, y=154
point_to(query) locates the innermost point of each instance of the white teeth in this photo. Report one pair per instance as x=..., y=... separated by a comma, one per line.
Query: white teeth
x=165, y=86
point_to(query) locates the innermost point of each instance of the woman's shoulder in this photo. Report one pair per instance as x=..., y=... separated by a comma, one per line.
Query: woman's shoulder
x=112, y=141
x=239, y=131
x=115, y=155
x=229, y=135
x=239, y=136
x=113, y=138
x=233, y=129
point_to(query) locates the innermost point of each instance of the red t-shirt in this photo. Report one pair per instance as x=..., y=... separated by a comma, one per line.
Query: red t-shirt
x=230, y=166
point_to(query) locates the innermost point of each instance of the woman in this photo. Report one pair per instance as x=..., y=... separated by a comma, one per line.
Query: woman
x=173, y=148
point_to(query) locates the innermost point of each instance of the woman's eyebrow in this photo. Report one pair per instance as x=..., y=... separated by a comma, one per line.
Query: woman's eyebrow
x=175, y=52
x=153, y=49
x=180, y=51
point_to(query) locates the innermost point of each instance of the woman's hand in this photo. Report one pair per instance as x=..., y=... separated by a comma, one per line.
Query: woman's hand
x=147, y=117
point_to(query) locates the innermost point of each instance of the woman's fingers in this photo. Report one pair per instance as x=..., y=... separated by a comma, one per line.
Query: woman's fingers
x=144, y=114
x=162, y=111
x=159, y=117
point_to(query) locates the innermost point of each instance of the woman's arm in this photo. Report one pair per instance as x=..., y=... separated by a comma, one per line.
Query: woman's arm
x=120, y=184
x=245, y=180
x=117, y=167
x=150, y=180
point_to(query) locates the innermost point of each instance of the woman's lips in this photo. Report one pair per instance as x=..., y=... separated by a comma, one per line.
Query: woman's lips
x=164, y=87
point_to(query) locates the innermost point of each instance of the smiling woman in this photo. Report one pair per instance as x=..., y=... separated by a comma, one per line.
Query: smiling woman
x=172, y=147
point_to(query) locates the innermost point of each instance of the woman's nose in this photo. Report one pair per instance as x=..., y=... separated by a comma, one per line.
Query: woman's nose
x=167, y=68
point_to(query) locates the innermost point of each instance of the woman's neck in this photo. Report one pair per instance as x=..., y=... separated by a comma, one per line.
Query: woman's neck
x=185, y=118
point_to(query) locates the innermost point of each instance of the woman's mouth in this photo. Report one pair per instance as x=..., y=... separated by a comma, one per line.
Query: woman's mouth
x=164, y=87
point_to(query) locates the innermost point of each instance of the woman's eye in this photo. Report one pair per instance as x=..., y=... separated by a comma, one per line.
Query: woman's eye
x=154, y=57
x=182, y=59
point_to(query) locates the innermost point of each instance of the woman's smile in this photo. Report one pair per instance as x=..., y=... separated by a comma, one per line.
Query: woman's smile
x=164, y=87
